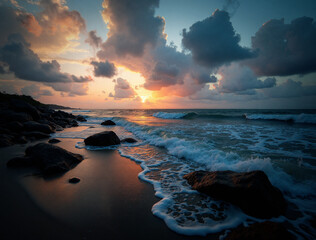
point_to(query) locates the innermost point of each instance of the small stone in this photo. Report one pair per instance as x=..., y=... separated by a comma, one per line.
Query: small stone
x=74, y=180
x=108, y=123
x=53, y=140
x=129, y=140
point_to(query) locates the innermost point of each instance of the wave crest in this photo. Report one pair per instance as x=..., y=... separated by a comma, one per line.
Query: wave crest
x=174, y=115
x=296, y=118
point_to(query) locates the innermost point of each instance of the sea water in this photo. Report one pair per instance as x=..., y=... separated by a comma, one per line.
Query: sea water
x=172, y=143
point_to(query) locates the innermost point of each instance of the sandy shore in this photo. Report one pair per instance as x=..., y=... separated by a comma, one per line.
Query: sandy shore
x=109, y=202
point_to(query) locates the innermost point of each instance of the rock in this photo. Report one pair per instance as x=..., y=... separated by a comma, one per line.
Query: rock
x=129, y=140
x=61, y=123
x=53, y=140
x=15, y=126
x=74, y=180
x=81, y=118
x=22, y=106
x=38, y=127
x=21, y=140
x=49, y=158
x=251, y=191
x=6, y=140
x=35, y=135
x=4, y=130
x=108, y=123
x=260, y=231
x=105, y=138
x=10, y=115
x=73, y=123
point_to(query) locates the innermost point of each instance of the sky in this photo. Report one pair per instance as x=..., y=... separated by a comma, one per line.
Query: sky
x=160, y=54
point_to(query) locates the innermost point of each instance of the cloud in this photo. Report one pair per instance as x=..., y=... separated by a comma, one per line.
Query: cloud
x=213, y=41
x=104, y=69
x=93, y=39
x=285, y=49
x=9, y=88
x=160, y=64
x=231, y=6
x=35, y=91
x=132, y=25
x=237, y=78
x=52, y=30
x=289, y=89
x=122, y=89
x=71, y=89
x=26, y=65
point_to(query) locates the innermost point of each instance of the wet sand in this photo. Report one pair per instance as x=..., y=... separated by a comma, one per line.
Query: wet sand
x=109, y=202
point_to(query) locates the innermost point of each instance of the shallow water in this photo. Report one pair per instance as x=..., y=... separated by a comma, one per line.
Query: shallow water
x=172, y=143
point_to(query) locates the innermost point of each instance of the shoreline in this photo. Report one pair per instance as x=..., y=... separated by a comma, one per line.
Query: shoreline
x=110, y=201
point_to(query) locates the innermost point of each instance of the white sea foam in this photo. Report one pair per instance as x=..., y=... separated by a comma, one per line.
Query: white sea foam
x=166, y=154
x=297, y=118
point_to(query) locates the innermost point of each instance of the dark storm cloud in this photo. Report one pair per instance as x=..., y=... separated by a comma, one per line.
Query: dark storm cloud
x=8, y=23
x=141, y=46
x=93, y=39
x=290, y=89
x=103, y=69
x=132, y=25
x=213, y=41
x=206, y=78
x=240, y=79
x=285, y=49
x=26, y=65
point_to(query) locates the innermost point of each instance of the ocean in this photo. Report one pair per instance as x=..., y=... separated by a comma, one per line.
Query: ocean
x=172, y=143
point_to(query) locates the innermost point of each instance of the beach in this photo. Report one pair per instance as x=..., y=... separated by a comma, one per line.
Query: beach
x=109, y=202
x=136, y=190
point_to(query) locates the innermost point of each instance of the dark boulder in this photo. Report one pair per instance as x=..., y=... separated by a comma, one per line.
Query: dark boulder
x=108, y=123
x=6, y=140
x=4, y=130
x=251, y=191
x=74, y=180
x=21, y=140
x=9, y=115
x=15, y=126
x=105, y=138
x=260, y=231
x=49, y=158
x=22, y=106
x=129, y=140
x=35, y=135
x=53, y=140
x=81, y=118
x=38, y=127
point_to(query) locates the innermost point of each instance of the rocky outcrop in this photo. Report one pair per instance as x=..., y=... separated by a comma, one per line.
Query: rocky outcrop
x=81, y=118
x=129, y=140
x=108, y=123
x=105, y=138
x=251, y=191
x=48, y=158
x=23, y=119
x=260, y=231
x=39, y=127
